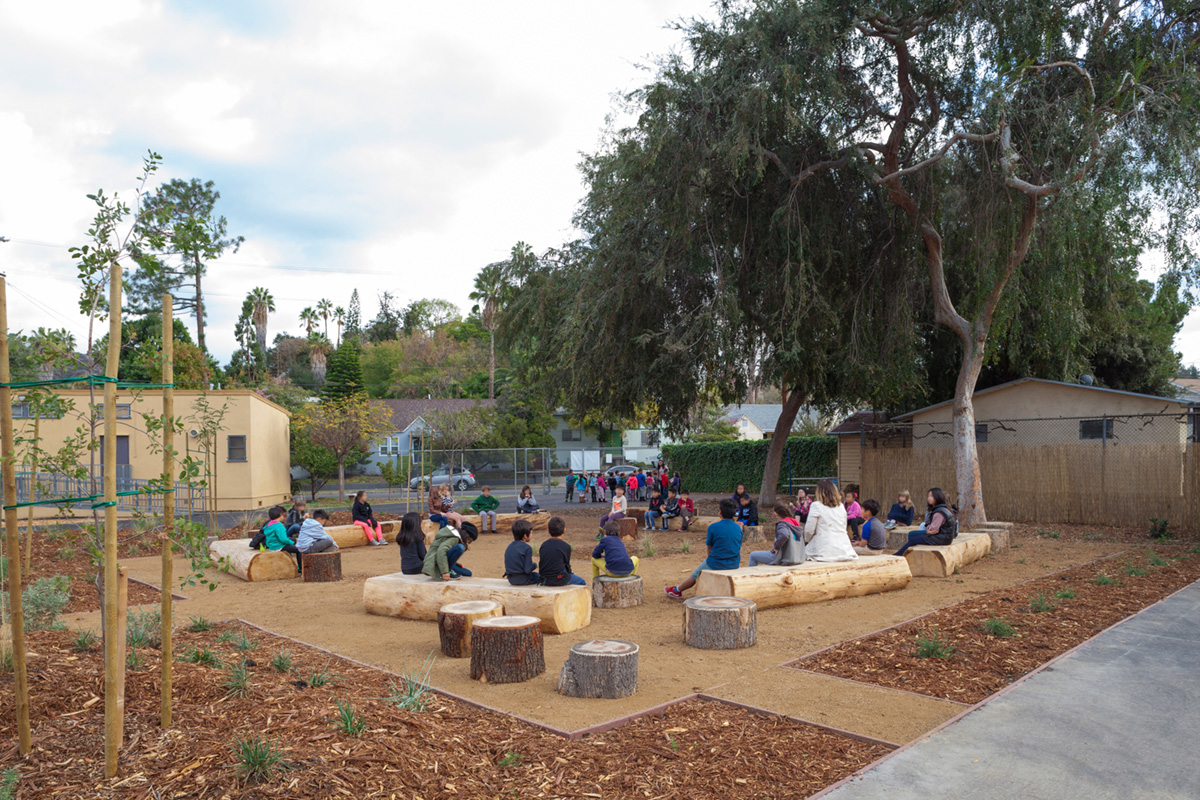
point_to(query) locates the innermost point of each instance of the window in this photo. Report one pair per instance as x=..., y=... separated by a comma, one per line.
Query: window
x=21, y=411
x=745, y=422
x=572, y=434
x=124, y=410
x=651, y=438
x=981, y=432
x=1095, y=429
x=237, y=448
x=390, y=446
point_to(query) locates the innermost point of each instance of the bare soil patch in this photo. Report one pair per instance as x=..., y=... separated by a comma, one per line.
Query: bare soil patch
x=694, y=749
x=1047, y=617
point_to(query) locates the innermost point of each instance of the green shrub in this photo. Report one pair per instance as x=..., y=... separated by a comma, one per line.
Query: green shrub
x=282, y=661
x=998, y=627
x=258, y=757
x=1159, y=528
x=1156, y=560
x=510, y=759
x=349, y=721
x=1040, y=604
x=199, y=625
x=144, y=628
x=8, y=783
x=931, y=645
x=83, y=641
x=1046, y=534
x=719, y=466
x=202, y=656
x=1104, y=580
x=44, y=600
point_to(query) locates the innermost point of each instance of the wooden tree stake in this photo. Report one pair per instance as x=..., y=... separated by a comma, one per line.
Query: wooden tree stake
x=114, y=651
x=605, y=668
x=455, y=621
x=610, y=592
x=168, y=445
x=507, y=649
x=719, y=623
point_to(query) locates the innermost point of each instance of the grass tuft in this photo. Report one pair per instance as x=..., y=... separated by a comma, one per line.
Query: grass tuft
x=199, y=625
x=349, y=721
x=143, y=628
x=83, y=641
x=413, y=692
x=998, y=627
x=259, y=757
x=1048, y=534
x=1135, y=571
x=237, y=683
x=282, y=662
x=930, y=644
x=319, y=677
x=134, y=659
x=1065, y=594
x=1105, y=580
x=202, y=656
x=1155, y=559
x=510, y=759
x=1040, y=604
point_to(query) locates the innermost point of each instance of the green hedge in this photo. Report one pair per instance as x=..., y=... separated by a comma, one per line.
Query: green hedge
x=721, y=466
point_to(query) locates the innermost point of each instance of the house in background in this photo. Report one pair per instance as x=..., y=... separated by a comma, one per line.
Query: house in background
x=569, y=437
x=1189, y=389
x=758, y=420
x=253, y=452
x=409, y=426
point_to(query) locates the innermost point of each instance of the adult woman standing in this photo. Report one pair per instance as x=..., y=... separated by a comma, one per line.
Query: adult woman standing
x=825, y=530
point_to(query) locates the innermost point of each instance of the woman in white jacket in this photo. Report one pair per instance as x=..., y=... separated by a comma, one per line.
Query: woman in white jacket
x=825, y=531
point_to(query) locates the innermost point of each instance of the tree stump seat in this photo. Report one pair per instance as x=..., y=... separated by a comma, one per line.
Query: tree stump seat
x=455, y=621
x=629, y=526
x=600, y=668
x=720, y=623
x=507, y=649
x=610, y=592
x=810, y=582
x=321, y=567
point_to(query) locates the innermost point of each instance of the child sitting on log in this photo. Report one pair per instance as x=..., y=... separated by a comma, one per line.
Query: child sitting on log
x=518, y=558
x=526, y=504
x=364, y=517
x=619, y=504
x=275, y=535
x=802, y=505
x=485, y=506
x=747, y=511
x=788, y=549
x=902, y=511
x=295, y=517
x=724, y=542
x=670, y=509
x=441, y=562
x=411, y=540
x=854, y=517
x=687, y=509
x=312, y=537
x=610, y=556
x=874, y=534
x=654, y=511
x=554, y=558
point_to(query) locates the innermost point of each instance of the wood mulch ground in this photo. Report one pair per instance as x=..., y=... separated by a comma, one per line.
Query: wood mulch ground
x=1048, y=616
x=698, y=749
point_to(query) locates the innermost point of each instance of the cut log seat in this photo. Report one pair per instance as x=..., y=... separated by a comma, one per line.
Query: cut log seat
x=503, y=523
x=940, y=561
x=810, y=582
x=698, y=523
x=898, y=536
x=561, y=609
x=354, y=536
x=253, y=565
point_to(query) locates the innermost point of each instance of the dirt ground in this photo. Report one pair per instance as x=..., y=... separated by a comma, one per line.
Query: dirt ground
x=331, y=616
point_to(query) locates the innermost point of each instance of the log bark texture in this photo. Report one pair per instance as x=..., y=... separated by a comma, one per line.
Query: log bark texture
x=606, y=668
x=609, y=592
x=810, y=582
x=504, y=522
x=456, y=620
x=719, y=623
x=629, y=528
x=253, y=565
x=322, y=567
x=561, y=609
x=940, y=561
x=507, y=649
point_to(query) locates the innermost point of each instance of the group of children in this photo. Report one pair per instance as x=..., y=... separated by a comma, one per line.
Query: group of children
x=294, y=531
x=638, y=486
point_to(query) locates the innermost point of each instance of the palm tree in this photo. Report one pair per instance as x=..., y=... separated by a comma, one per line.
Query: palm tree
x=318, y=348
x=492, y=290
x=263, y=304
x=325, y=308
x=339, y=316
x=308, y=318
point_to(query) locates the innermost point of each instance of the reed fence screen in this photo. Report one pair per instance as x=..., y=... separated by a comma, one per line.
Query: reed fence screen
x=1112, y=470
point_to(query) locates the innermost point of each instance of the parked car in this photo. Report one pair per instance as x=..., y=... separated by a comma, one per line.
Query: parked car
x=621, y=471
x=463, y=479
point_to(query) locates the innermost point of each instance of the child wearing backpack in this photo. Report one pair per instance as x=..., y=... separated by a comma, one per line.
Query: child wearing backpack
x=275, y=535
x=941, y=526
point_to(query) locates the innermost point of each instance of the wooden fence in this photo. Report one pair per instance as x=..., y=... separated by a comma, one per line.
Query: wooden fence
x=1086, y=483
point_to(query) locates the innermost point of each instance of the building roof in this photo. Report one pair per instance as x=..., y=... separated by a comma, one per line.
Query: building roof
x=854, y=424
x=764, y=415
x=1189, y=389
x=124, y=392
x=406, y=412
x=1011, y=384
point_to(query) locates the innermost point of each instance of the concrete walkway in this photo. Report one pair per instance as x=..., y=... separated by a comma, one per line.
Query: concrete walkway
x=1119, y=718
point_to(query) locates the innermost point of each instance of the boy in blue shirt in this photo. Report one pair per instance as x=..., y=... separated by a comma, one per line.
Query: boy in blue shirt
x=610, y=556
x=518, y=558
x=724, y=542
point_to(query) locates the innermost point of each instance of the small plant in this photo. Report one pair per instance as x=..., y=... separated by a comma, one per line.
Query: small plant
x=320, y=677
x=1047, y=534
x=1040, y=604
x=83, y=641
x=258, y=757
x=510, y=759
x=1159, y=528
x=44, y=600
x=413, y=692
x=685, y=548
x=998, y=627
x=224, y=636
x=647, y=543
x=244, y=643
x=202, y=656
x=237, y=683
x=1019, y=561
x=66, y=552
x=282, y=662
x=199, y=625
x=674, y=744
x=931, y=645
x=349, y=721
x=1065, y=594
x=8, y=783
x=134, y=659
x=144, y=628
x=1135, y=571
x=1155, y=559
x=1104, y=580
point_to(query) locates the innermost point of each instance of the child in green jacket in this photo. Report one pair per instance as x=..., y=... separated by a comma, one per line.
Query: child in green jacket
x=441, y=562
x=276, y=537
x=485, y=506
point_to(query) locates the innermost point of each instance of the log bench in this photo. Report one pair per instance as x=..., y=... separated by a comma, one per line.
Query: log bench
x=561, y=609
x=354, y=536
x=940, y=561
x=253, y=565
x=810, y=582
x=504, y=522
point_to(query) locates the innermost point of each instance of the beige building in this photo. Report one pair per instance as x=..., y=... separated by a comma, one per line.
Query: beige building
x=252, y=448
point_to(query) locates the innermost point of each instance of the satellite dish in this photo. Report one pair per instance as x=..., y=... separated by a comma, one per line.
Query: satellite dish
x=1086, y=380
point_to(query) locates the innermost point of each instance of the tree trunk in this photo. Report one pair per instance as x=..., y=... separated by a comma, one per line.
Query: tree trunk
x=260, y=333
x=492, y=367
x=606, y=668
x=321, y=567
x=199, y=313
x=770, y=478
x=507, y=650
x=966, y=452
x=341, y=480
x=719, y=623
x=456, y=620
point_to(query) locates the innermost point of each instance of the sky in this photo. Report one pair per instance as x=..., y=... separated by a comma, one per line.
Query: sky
x=383, y=146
